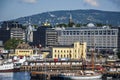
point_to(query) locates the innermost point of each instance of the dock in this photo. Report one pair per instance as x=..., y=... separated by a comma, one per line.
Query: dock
x=48, y=69
x=54, y=66
x=47, y=75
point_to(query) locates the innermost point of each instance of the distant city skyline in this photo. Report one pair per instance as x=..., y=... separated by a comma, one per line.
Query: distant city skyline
x=12, y=9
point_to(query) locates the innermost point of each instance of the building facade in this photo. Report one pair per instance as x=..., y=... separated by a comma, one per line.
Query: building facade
x=4, y=35
x=51, y=37
x=99, y=37
x=17, y=33
x=23, y=49
x=76, y=51
x=39, y=36
x=10, y=24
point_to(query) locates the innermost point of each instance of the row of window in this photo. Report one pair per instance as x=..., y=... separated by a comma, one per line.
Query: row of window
x=65, y=51
x=25, y=51
x=63, y=56
x=102, y=32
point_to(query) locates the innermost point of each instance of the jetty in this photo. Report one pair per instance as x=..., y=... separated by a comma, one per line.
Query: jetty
x=52, y=65
x=48, y=69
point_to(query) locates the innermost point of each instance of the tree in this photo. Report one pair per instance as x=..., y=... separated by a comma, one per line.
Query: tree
x=78, y=25
x=62, y=25
x=71, y=24
x=12, y=43
x=99, y=24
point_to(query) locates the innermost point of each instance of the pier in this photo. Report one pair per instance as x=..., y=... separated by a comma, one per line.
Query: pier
x=44, y=75
x=48, y=69
x=55, y=65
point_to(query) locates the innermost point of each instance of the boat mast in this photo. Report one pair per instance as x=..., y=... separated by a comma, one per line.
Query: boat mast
x=92, y=54
x=92, y=59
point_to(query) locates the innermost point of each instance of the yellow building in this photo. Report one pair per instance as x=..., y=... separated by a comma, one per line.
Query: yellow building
x=77, y=51
x=23, y=49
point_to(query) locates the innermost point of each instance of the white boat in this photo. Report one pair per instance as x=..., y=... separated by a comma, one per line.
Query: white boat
x=11, y=66
x=82, y=76
x=8, y=67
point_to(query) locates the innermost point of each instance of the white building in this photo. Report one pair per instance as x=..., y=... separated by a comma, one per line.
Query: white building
x=99, y=37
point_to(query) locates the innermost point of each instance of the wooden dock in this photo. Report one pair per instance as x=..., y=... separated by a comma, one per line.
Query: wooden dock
x=52, y=75
x=48, y=70
x=54, y=66
x=44, y=75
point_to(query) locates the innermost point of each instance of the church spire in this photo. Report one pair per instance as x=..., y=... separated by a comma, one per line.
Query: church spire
x=71, y=23
x=70, y=19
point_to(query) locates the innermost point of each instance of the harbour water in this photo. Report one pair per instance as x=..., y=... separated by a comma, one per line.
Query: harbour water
x=23, y=76
x=15, y=76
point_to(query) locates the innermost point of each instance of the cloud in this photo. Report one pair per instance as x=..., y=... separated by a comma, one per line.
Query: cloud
x=92, y=2
x=30, y=1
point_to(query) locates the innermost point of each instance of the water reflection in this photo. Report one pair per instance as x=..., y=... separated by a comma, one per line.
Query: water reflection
x=26, y=76
x=15, y=76
x=6, y=76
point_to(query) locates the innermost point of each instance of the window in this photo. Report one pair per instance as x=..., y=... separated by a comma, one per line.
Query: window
x=67, y=32
x=104, y=32
x=64, y=55
x=88, y=32
x=100, y=32
x=75, y=56
x=55, y=50
x=108, y=32
x=64, y=33
x=96, y=32
x=74, y=33
x=61, y=56
x=75, y=51
x=77, y=32
x=55, y=55
x=85, y=32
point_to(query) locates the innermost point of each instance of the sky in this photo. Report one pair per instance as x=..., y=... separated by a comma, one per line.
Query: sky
x=12, y=9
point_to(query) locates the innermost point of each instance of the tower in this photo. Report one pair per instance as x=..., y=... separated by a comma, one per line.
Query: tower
x=71, y=23
x=70, y=19
x=29, y=33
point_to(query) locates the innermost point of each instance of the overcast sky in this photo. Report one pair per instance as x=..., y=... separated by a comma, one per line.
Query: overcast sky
x=12, y=9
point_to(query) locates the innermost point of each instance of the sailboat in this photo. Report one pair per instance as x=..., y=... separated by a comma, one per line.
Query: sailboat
x=84, y=74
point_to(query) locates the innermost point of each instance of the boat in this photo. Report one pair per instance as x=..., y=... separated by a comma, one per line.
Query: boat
x=11, y=65
x=81, y=75
x=8, y=67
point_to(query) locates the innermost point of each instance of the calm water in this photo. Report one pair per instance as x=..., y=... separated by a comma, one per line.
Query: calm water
x=15, y=76
x=21, y=76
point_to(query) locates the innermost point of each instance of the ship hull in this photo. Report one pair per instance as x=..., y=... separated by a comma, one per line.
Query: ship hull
x=83, y=77
x=11, y=70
